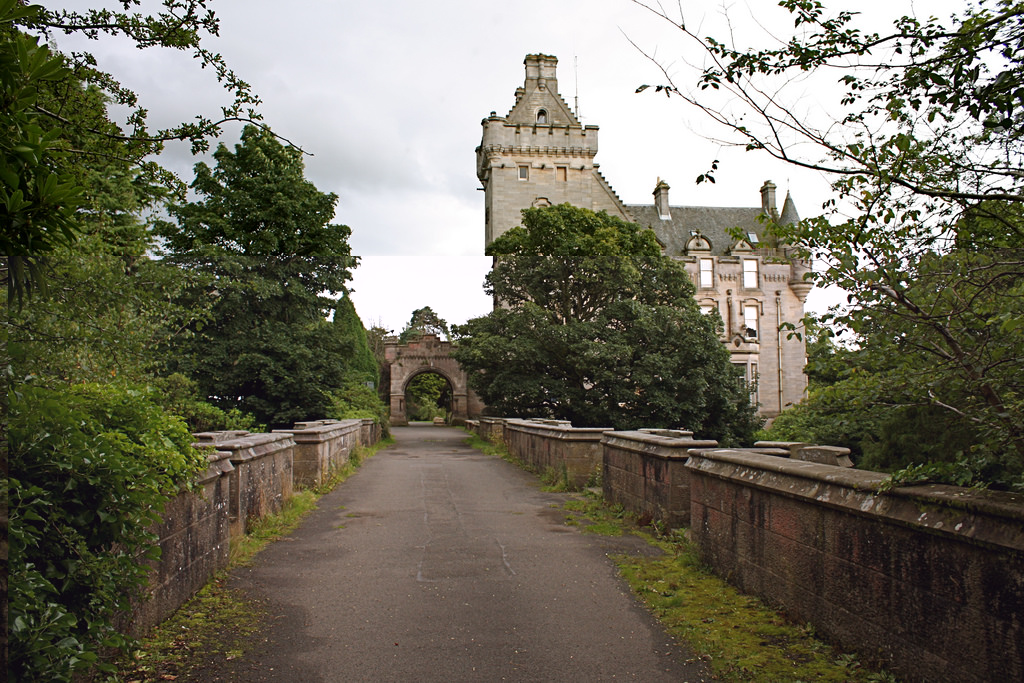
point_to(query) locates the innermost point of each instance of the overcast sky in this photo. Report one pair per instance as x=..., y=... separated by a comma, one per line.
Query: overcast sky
x=388, y=95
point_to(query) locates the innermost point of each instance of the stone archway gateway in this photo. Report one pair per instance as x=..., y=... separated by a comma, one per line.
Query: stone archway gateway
x=428, y=354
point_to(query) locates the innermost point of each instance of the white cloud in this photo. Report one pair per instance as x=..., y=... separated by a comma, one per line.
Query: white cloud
x=388, y=97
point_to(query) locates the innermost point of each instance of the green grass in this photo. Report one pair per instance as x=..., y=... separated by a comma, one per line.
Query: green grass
x=220, y=623
x=553, y=480
x=739, y=637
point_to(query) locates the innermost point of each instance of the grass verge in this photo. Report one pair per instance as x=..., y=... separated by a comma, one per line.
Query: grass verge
x=219, y=622
x=740, y=638
x=552, y=480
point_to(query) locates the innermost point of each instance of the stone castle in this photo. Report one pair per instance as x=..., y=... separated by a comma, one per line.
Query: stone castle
x=539, y=154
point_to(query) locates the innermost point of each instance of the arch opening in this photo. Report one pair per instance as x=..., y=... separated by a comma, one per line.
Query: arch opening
x=429, y=395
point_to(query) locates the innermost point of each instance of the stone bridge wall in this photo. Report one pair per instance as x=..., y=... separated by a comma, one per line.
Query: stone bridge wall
x=321, y=447
x=645, y=472
x=249, y=476
x=926, y=580
x=555, y=445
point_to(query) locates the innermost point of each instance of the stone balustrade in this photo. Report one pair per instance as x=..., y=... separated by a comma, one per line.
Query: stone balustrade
x=925, y=580
x=194, y=538
x=321, y=447
x=262, y=475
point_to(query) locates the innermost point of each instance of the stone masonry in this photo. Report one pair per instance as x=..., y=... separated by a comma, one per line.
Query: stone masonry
x=539, y=154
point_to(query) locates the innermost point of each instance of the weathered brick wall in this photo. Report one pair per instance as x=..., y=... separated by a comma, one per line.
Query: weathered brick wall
x=321, y=447
x=557, y=445
x=645, y=472
x=928, y=579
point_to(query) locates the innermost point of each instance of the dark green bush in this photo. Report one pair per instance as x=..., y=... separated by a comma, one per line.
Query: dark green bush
x=90, y=469
x=358, y=400
x=178, y=394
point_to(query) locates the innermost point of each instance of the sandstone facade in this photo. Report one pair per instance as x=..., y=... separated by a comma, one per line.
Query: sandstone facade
x=539, y=154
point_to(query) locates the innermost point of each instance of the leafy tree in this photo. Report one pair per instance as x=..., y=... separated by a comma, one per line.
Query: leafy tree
x=597, y=326
x=88, y=458
x=40, y=114
x=925, y=231
x=260, y=240
x=424, y=321
x=426, y=396
x=37, y=197
x=362, y=361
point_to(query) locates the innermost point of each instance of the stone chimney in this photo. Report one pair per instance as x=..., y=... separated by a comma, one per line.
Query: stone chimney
x=542, y=69
x=768, y=199
x=661, y=200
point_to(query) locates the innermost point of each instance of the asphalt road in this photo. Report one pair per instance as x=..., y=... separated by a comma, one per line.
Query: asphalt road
x=437, y=563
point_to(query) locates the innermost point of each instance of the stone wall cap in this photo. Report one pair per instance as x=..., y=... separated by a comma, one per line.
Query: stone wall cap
x=661, y=438
x=218, y=464
x=558, y=431
x=826, y=455
x=254, y=445
x=1007, y=505
x=216, y=437
x=860, y=480
x=320, y=430
x=788, y=445
x=673, y=433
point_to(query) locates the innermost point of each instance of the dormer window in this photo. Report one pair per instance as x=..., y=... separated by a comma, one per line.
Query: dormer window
x=696, y=243
x=542, y=116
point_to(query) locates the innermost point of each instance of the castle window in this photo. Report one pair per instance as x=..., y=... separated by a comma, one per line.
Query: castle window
x=750, y=317
x=542, y=116
x=524, y=172
x=561, y=173
x=707, y=273
x=752, y=383
x=750, y=273
x=746, y=376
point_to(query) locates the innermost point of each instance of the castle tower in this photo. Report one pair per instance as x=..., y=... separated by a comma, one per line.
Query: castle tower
x=539, y=154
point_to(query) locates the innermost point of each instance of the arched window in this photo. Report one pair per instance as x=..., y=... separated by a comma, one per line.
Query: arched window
x=542, y=116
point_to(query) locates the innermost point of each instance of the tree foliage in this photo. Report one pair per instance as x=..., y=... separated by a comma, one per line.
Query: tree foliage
x=424, y=321
x=91, y=467
x=37, y=196
x=265, y=255
x=597, y=326
x=90, y=452
x=426, y=396
x=925, y=229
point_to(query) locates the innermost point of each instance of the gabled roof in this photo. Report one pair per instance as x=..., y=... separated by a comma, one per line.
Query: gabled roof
x=713, y=222
x=540, y=91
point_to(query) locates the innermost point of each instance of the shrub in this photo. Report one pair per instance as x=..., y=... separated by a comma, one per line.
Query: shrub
x=178, y=394
x=356, y=399
x=90, y=469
